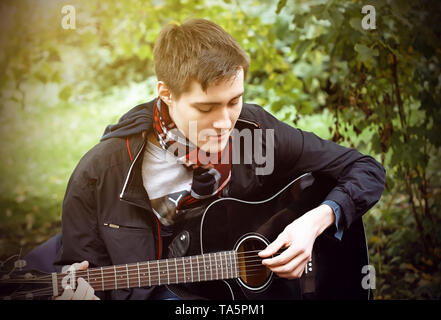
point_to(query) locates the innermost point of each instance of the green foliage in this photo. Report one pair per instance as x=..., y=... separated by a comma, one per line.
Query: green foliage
x=385, y=81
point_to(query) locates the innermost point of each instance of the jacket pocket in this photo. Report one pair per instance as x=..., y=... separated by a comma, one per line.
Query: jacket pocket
x=131, y=242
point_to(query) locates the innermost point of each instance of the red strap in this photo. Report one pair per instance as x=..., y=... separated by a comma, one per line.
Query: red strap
x=159, y=237
x=128, y=149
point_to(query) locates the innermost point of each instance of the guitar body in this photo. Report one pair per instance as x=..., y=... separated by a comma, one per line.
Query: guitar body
x=228, y=223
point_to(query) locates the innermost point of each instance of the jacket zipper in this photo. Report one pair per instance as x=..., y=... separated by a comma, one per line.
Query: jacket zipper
x=257, y=125
x=132, y=203
x=130, y=170
x=117, y=226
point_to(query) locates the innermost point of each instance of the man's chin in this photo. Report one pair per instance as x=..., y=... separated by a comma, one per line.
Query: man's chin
x=214, y=147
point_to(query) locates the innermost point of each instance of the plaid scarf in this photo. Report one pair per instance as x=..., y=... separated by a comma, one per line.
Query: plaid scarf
x=211, y=172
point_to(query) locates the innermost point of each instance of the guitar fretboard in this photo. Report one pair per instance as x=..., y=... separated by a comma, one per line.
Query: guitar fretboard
x=206, y=267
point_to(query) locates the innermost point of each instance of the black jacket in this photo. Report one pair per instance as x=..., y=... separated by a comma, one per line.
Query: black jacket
x=106, y=188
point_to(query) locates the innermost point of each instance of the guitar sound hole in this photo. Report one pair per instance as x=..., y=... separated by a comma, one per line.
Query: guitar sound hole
x=252, y=273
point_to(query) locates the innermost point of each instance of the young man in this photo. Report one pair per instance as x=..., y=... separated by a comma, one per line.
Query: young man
x=129, y=191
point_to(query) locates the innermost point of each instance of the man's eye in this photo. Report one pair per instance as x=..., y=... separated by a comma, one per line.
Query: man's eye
x=233, y=103
x=204, y=110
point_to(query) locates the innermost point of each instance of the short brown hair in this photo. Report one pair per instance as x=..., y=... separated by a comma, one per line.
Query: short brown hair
x=197, y=50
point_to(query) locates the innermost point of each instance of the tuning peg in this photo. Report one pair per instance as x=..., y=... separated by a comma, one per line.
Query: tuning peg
x=20, y=264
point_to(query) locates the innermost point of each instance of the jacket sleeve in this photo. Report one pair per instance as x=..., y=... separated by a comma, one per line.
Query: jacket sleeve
x=360, y=179
x=80, y=237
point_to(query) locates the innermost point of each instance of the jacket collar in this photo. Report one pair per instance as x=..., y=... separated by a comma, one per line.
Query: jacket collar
x=133, y=190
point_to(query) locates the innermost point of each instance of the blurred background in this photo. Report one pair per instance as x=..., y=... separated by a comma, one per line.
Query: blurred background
x=67, y=72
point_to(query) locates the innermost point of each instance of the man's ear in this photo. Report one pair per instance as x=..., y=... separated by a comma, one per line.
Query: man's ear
x=164, y=93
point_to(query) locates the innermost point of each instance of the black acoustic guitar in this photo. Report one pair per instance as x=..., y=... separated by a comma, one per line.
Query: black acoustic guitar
x=221, y=261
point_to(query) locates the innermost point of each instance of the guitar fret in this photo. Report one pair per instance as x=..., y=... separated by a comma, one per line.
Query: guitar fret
x=205, y=267
x=211, y=267
x=116, y=281
x=199, y=271
x=88, y=280
x=159, y=273
x=148, y=270
x=231, y=264
x=221, y=267
x=215, y=264
x=102, y=278
x=189, y=278
x=236, y=256
x=183, y=263
x=54, y=284
x=227, y=255
x=191, y=268
x=226, y=264
x=139, y=276
x=176, y=268
x=127, y=271
x=168, y=273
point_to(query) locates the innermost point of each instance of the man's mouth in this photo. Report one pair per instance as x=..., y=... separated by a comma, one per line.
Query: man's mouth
x=220, y=136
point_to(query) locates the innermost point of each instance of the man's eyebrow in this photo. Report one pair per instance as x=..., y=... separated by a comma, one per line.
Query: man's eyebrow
x=214, y=103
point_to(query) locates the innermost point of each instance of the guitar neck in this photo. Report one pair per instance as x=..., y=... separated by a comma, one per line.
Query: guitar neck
x=205, y=267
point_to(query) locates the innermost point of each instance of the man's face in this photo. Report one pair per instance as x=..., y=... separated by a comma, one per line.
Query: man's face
x=208, y=118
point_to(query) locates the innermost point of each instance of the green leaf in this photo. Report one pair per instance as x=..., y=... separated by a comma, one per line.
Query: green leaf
x=65, y=93
x=365, y=53
x=280, y=5
x=302, y=47
x=355, y=23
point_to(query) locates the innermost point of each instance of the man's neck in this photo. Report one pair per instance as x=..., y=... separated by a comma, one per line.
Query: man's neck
x=153, y=139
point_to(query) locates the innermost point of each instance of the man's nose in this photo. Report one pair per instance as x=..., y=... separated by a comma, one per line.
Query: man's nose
x=223, y=119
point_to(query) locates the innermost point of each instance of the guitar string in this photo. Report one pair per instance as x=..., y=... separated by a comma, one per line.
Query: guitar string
x=97, y=285
x=156, y=279
x=110, y=274
x=154, y=274
x=49, y=291
x=110, y=270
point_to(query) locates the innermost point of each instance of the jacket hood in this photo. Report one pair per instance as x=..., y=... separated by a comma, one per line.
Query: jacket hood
x=136, y=120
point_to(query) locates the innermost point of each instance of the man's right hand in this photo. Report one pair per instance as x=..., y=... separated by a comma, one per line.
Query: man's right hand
x=83, y=290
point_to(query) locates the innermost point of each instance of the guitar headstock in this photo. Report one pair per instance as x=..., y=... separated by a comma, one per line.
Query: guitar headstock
x=19, y=283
